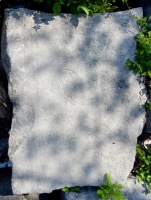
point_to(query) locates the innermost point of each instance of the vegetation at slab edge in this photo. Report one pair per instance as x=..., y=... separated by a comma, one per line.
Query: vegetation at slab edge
x=107, y=191
x=144, y=170
x=88, y=7
x=142, y=62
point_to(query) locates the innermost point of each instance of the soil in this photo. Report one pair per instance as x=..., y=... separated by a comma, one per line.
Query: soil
x=5, y=120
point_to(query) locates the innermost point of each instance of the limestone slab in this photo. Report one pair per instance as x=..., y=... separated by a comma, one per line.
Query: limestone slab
x=77, y=111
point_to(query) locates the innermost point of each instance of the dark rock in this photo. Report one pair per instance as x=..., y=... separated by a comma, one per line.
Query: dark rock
x=3, y=146
x=4, y=128
x=5, y=183
x=3, y=101
x=146, y=6
x=147, y=128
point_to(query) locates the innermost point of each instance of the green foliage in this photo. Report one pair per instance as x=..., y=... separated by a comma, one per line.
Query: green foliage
x=109, y=191
x=71, y=189
x=79, y=6
x=142, y=63
x=148, y=105
x=56, y=7
x=144, y=171
x=39, y=1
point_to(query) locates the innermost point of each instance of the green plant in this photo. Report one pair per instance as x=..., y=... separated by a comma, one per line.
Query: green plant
x=144, y=170
x=148, y=105
x=71, y=189
x=79, y=6
x=126, y=2
x=109, y=191
x=142, y=62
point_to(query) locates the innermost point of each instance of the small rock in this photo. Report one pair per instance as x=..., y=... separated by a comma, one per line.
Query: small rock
x=147, y=143
x=31, y=196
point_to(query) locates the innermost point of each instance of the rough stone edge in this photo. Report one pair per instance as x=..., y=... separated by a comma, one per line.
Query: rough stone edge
x=4, y=56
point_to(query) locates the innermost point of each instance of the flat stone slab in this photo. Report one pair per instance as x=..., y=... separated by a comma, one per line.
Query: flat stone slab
x=77, y=111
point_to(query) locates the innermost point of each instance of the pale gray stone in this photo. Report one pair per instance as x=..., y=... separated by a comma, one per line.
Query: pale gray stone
x=77, y=110
x=134, y=190
x=83, y=194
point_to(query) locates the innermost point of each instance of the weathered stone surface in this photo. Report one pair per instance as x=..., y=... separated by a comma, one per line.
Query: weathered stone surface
x=77, y=110
x=134, y=190
x=83, y=194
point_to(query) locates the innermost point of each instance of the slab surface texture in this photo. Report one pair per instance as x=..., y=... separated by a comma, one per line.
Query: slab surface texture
x=77, y=111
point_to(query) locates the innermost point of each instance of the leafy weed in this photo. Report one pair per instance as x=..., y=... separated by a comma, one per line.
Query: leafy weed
x=109, y=191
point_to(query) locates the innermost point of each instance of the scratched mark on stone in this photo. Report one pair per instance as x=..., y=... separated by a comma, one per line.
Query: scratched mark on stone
x=72, y=85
